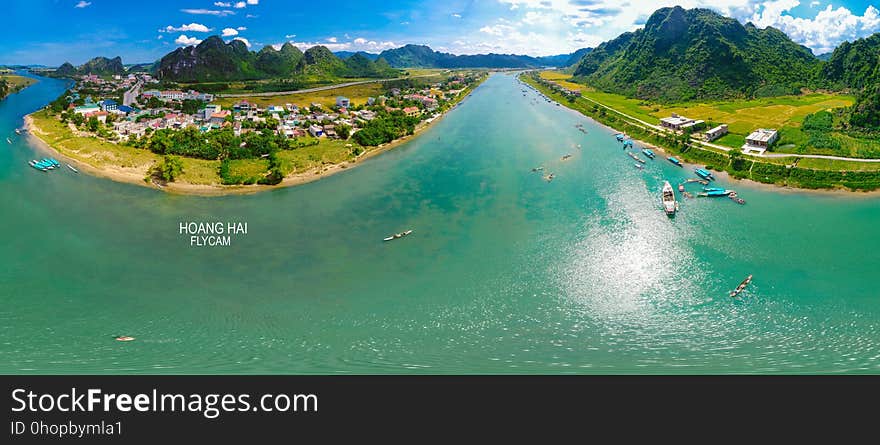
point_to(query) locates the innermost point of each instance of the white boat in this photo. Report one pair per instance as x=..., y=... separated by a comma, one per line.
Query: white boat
x=72, y=169
x=9, y=141
x=669, y=204
x=398, y=235
x=17, y=131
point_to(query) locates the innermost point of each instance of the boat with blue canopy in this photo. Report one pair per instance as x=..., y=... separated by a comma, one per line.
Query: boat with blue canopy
x=675, y=161
x=705, y=174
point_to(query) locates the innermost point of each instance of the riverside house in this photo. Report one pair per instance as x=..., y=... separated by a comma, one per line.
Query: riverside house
x=715, y=133
x=760, y=140
x=680, y=123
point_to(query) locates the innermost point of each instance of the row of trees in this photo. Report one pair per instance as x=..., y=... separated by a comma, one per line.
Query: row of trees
x=386, y=128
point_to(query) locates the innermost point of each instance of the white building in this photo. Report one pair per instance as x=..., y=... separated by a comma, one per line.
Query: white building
x=715, y=133
x=760, y=140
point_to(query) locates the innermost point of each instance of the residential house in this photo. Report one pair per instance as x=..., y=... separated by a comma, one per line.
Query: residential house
x=760, y=140
x=316, y=131
x=679, y=123
x=109, y=105
x=219, y=117
x=715, y=133
x=342, y=101
x=412, y=111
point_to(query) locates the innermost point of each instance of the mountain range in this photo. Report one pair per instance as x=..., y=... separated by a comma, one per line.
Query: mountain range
x=421, y=56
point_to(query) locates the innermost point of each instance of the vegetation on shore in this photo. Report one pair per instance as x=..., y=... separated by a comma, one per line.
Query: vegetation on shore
x=790, y=171
x=12, y=83
x=785, y=113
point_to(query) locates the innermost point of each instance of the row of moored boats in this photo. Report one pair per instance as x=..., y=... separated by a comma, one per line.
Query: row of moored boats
x=47, y=164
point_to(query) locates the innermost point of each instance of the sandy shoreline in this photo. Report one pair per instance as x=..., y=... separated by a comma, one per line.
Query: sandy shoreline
x=137, y=178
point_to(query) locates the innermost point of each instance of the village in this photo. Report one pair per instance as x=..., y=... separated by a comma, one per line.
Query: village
x=142, y=111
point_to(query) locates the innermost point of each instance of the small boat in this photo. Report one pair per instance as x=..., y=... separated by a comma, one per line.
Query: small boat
x=668, y=197
x=681, y=187
x=675, y=161
x=715, y=193
x=550, y=177
x=38, y=166
x=54, y=162
x=627, y=144
x=648, y=153
x=17, y=131
x=705, y=174
x=537, y=169
x=72, y=169
x=741, y=287
x=566, y=157
x=712, y=189
x=124, y=338
x=48, y=163
x=43, y=164
x=398, y=235
x=619, y=137
x=9, y=141
x=688, y=195
x=634, y=156
x=736, y=199
x=639, y=166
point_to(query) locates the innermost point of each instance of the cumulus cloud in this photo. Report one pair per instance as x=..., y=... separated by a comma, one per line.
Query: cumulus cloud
x=82, y=4
x=192, y=27
x=229, y=32
x=822, y=33
x=241, y=28
x=558, y=26
x=183, y=40
x=253, y=2
x=243, y=40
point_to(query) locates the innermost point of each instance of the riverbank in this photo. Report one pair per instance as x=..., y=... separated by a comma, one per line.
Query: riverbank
x=137, y=170
x=14, y=84
x=776, y=175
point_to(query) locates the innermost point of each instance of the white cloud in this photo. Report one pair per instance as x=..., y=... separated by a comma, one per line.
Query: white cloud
x=358, y=44
x=544, y=27
x=229, y=32
x=332, y=39
x=289, y=36
x=223, y=4
x=244, y=40
x=183, y=40
x=82, y=4
x=192, y=27
x=458, y=16
x=823, y=33
x=241, y=28
x=221, y=13
x=240, y=5
x=253, y=2
x=251, y=16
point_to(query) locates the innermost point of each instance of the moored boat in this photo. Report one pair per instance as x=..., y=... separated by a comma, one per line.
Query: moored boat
x=639, y=166
x=675, y=161
x=736, y=198
x=72, y=169
x=648, y=153
x=668, y=197
x=9, y=141
x=715, y=193
x=742, y=286
x=398, y=235
x=37, y=166
x=705, y=174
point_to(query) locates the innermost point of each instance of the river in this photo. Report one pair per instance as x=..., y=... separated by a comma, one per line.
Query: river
x=504, y=272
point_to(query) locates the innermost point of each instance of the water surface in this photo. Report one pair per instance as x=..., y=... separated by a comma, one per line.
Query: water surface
x=505, y=273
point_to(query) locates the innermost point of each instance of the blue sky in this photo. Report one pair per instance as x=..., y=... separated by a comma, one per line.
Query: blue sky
x=54, y=31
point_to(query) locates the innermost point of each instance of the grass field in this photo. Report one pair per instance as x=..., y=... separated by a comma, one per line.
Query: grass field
x=784, y=113
x=357, y=94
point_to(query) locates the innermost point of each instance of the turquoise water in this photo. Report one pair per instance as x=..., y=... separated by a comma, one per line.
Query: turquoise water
x=505, y=273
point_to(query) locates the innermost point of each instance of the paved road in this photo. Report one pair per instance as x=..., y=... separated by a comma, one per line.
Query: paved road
x=316, y=89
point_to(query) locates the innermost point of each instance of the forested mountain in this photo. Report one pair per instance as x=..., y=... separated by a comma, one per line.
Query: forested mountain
x=216, y=60
x=421, y=56
x=699, y=54
x=101, y=66
x=856, y=66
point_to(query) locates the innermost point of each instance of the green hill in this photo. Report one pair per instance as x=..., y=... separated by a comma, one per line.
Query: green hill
x=100, y=66
x=856, y=66
x=682, y=55
x=421, y=56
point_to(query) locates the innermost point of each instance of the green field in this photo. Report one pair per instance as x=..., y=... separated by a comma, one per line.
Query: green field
x=791, y=171
x=785, y=113
x=357, y=93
